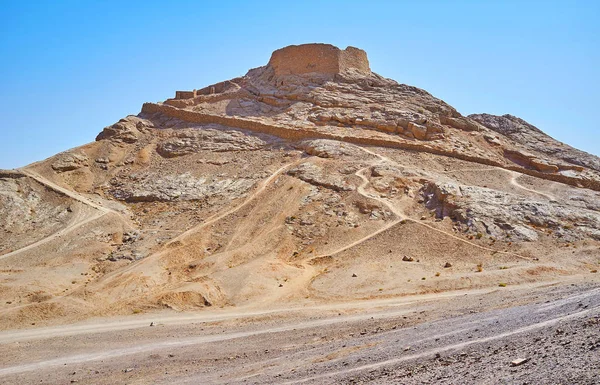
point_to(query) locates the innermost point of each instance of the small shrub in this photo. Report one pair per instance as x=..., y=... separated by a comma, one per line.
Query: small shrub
x=437, y=274
x=502, y=284
x=422, y=279
x=479, y=267
x=137, y=311
x=479, y=235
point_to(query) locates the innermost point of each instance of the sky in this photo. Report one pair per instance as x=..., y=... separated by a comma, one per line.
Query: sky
x=70, y=68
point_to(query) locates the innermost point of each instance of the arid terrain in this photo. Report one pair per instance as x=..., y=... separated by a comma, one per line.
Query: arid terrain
x=311, y=221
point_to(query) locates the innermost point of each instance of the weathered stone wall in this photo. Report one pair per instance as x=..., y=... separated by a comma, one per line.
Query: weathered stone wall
x=184, y=94
x=320, y=58
x=292, y=133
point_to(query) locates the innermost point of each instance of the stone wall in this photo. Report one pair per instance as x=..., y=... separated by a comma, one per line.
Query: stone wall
x=185, y=94
x=293, y=133
x=320, y=58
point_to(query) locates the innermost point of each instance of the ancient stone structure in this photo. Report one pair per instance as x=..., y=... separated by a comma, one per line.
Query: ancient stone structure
x=324, y=59
x=320, y=58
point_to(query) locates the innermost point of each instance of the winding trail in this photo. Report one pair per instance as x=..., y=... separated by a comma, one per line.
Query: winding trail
x=399, y=213
x=210, y=220
x=361, y=191
x=218, y=216
x=77, y=223
x=513, y=180
x=514, y=175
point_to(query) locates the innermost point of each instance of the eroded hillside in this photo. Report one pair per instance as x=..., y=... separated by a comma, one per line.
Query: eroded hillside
x=308, y=180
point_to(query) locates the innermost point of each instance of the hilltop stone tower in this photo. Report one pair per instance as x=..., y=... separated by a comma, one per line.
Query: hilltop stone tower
x=318, y=58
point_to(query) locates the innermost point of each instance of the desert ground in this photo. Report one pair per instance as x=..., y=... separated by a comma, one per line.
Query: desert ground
x=476, y=335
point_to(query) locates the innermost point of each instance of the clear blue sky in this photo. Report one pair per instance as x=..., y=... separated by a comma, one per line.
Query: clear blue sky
x=69, y=68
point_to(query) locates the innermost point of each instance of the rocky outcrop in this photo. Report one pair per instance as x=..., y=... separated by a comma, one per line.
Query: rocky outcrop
x=69, y=161
x=12, y=174
x=303, y=132
x=503, y=215
x=460, y=122
x=535, y=140
x=529, y=160
x=315, y=175
x=126, y=130
x=210, y=137
x=150, y=187
x=324, y=148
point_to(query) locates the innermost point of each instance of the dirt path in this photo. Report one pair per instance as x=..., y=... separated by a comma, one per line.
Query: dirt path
x=297, y=357
x=514, y=175
x=400, y=214
x=177, y=241
x=513, y=180
x=263, y=185
x=72, y=194
x=130, y=323
x=77, y=223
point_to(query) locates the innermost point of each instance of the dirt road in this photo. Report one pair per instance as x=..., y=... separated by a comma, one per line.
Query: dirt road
x=431, y=337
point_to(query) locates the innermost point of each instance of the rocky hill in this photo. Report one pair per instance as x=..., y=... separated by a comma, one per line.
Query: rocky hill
x=310, y=179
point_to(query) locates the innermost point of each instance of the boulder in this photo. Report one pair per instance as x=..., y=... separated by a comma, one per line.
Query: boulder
x=528, y=160
x=461, y=123
x=69, y=161
x=418, y=131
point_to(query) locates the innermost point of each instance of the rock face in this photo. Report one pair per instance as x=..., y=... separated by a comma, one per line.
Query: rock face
x=315, y=175
x=213, y=138
x=324, y=148
x=28, y=210
x=149, y=187
x=534, y=139
x=500, y=214
x=318, y=58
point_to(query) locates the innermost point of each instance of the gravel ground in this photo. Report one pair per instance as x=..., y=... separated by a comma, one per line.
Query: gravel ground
x=460, y=339
x=566, y=352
